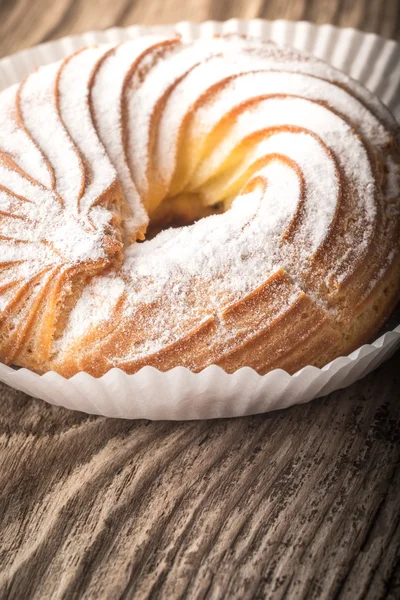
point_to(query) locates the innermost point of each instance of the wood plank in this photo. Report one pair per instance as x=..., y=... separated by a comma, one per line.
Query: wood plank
x=24, y=23
x=300, y=504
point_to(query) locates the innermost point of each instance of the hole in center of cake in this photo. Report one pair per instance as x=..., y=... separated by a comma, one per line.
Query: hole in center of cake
x=178, y=211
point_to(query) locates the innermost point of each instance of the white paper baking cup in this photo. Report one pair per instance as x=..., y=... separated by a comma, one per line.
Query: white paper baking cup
x=180, y=394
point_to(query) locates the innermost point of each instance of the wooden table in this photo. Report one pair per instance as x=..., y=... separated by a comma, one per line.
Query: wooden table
x=298, y=504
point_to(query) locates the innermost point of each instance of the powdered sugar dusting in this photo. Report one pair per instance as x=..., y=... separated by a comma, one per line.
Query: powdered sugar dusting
x=15, y=141
x=294, y=151
x=73, y=92
x=143, y=98
x=106, y=98
x=40, y=115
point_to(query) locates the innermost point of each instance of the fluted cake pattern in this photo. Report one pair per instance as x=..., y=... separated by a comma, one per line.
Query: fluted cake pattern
x=289, y=168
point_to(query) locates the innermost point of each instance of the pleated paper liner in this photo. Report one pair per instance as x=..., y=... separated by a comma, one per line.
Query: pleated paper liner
x=179, y=394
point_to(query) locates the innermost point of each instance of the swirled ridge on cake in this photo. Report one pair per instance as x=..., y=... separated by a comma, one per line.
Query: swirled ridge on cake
x=279, y=175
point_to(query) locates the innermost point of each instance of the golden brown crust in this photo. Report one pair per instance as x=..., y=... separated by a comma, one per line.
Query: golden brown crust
x=303, y=265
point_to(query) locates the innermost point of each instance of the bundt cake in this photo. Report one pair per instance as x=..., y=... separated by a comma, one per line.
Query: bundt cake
x=171, y=202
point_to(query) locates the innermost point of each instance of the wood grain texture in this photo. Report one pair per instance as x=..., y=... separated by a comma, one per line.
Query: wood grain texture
x=299, y=504
x=24, y=23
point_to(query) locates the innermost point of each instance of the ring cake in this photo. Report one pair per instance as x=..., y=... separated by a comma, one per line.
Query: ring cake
x=168, y=202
